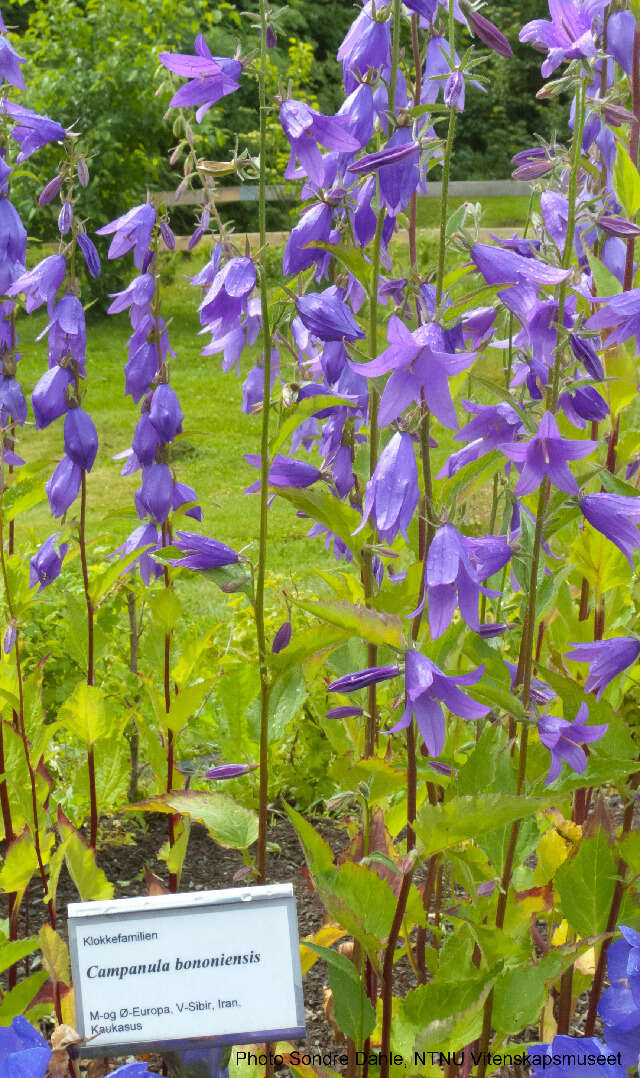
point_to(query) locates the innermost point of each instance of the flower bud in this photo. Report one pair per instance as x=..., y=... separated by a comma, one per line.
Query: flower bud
x=65, y=218
x=167, y=236
x=489, y=34
x=282, y=639
x=49, y=192
x=83, y=172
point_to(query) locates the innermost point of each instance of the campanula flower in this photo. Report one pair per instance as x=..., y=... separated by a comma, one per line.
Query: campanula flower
x=314, y=226
x=202, y=553
x=454, y=91
x=182, y=495
x=572, y=1057
x=583, y=405
x=40, y=284
x=211, y=77
x=146, y=538
x=67, y=332
x=621, y=314
x=546, y=455
x=23, y=1051
x=607, y=659
x=165, y=413
x=398, y=167
x=570, y=34
x=31, y=131
x=10, y=62
x=427, y=688
x=488, y=33
x=615, y=516
x=136, y=296
x=584, y=351
x=502, y=266
x=564, y=740
x=282, y=639
x=13, y=245
x=80, y=438
x=146, y=440
x=285, y=472
x=456, y=566
x=306, y=129
x=619, y=1006
x=132, y=232
x=155, y=495
x=392, y=492
x=47, y=563
x=89, y=253
x=229, y=771
x=50, y=397
x=366, y=45
x=326, y=315
x=226, y=299
x=62, y=489
x=492, y=426
x=12, y=401
x=50, y=190
x=361, y=679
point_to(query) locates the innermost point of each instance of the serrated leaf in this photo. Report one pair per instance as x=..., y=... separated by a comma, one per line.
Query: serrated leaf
x=89, y=880
x=102, y=584
x=318, y=853
x=353, y=1011
x=230, y=824
x=13, y=951
x=21, y=496
x=626, y=181
x=439, y=827
x=18, y=999
x=301, y=411
x=351, y=257
x=585, y=885
x=370, y=625
x=55, y=955
x=84, y=713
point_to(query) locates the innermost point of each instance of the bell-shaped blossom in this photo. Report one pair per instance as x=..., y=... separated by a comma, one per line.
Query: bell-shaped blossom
x=229, y=771
x=314, y=226
x=546, y=455
x=570, y=34
x=12, y=401
x=499, y=265
x=367, y=45
x=361, y=679
x=40, y=284
x=62, y=489
x=80, y=438
x=24, y=1053
x=45, y=566
x=155, y=495
x=607, y=659
x=146, y=440
x=565, y=739
x=454, y=91
x=141, y=367
x=183, y=494
x=621, y=314
x=67, y=333
x=427, y=688
x=90, y=254
x=620, y=30
x=398, y=167
x=165, y=413
x=585, y=352
x=285, y=472
x=145, y=538
x=50, y=397
x=493, y=426
x=359, y=112
x=13, y=245
x=488, y=33
x=202, y=553
x=210, y=77
x=619, y=1005
x=282, y=639
x=10, y=62
x=136, y=296
x=615, y=516
x=226, y=300
x=456, y=566
x=132, y=232
x=392, y=492
x=306, y=130
x=327, y=316
x=583, y=405
x=421, y=364
x=570, y=1057
x=50, y=190
x=31, y=130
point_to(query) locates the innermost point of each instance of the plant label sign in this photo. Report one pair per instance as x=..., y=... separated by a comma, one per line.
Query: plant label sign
x=214, y=967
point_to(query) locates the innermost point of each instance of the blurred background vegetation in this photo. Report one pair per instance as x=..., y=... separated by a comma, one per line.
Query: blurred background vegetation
x=93, y=66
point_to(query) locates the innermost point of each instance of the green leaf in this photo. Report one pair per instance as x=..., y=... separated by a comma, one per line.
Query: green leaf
x=103, y=583
x=439, y=827
x=90, y=881
x=22, y=495
x=606, y=283
x=186, y=704
x=351, y=257
x=318, y=853
x=306, y=645
x=353, y=1011
x=478, y=298
x=626, y=181
x=375, y=628
x=165, y=608
x=586, y=884
x=13, y=951
x=55, y=955
x=333, y=514
x=472, y=477
x=297, y=414
x=445, y=1016
x=18, y=999
x=230, y=824
x=84, y=714
x=361, y=902
x=20, y=863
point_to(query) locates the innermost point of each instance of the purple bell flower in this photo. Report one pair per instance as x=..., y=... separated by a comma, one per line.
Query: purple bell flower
x=421, y=364
x=282, y=639
x=326, y=315
x=80, y=438
x=211, y=77
x=47, y=563
x=13, y=245
x=229, y=771
x=40, y=284
x=358, y=110
x=90, y=254
x=454, y=91
x=12, y=401
x=155, y=495
x=367, y=44
x=456, y=567
x=50, y=190
x=31, y=131
x=65, y=217
x=24, y=1053
x=165, y=412
x=10, y=62
x=619, y=1006
x=67, y=331
x=141, y=368
x=585, y=352
x=427, y=688
x=546, y=455
x=344, y=713
x=50, y=398
x=146, y=440
x=392, y=492
x=398, y=166
x=570, y=34
x=615, y=516
x=579, y=1053
x=501, y=266
x=182, y=495
x=202, y=553
x=313, y=226
x=132, y=233
x=62, y=489
x=493, y=425
x=144, y=536
x=361, y=679
x=489, y=34
x=285, y=472
x=608, y=658
x=564, y=740
x=226, y=300
x=137, y=296
x=583, y=405
x=620, y=313
x=305, y=128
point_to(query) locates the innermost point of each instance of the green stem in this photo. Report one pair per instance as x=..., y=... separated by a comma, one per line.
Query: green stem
x=264, y=462
x=446, y=171
x=395, y=61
